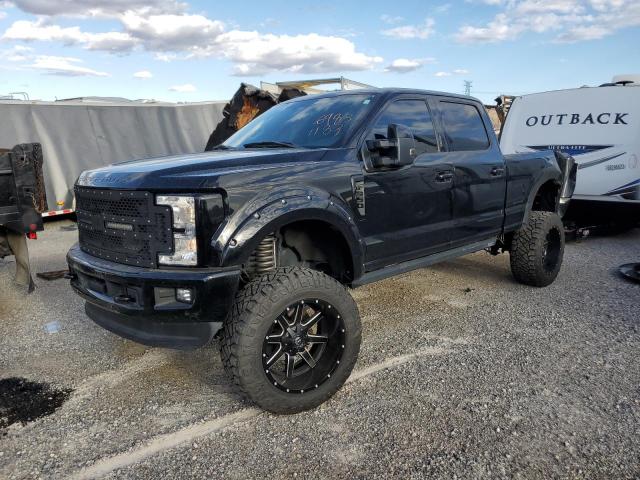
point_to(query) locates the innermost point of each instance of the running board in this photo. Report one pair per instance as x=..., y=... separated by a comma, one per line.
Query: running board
x=422, y=262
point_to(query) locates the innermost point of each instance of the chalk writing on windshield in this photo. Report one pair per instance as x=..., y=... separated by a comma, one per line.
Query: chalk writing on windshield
x=330, y=124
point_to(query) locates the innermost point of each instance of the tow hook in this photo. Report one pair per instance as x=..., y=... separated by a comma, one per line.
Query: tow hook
x=123, y=299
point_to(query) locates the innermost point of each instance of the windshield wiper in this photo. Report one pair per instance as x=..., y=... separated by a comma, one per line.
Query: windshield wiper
x=269, y=144
x=221, y=147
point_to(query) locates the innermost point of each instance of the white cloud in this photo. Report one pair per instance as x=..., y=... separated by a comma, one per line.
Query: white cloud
x=17, y=53
x=165, y=57
x=606, y=5
x=423, y=31
x=255, y=53
x=66, y=66
x=403, y=65
x=97, y=8
x=39, y=30
x=526, y=7
x=186, y=88
x=110, y=42
x=171, y=32
x=583, y=32
x=182, y=36
x=612, y=15
x=26, y=30
x=457, y=71
x=443, y=8
x=143, y=74
x=497, y=30
x=570, y=20
x=406, y=65
x=391, y=19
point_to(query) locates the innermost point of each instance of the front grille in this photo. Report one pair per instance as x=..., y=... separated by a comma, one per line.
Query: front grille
x=123, y=227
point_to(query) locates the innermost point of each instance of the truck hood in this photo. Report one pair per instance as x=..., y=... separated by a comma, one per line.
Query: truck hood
x=197, y=171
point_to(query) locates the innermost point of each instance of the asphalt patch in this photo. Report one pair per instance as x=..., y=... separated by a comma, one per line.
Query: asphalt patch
x=24, y=401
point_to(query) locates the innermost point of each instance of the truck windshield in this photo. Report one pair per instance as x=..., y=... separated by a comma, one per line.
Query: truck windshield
x=324, y=122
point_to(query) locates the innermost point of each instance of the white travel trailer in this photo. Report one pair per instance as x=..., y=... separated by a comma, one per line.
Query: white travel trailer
x=600, y=128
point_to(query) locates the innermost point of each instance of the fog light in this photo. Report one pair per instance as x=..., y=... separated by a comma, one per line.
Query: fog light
x=184, y=295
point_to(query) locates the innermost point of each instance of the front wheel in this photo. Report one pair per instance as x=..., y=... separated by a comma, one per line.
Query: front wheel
x=537, y=249
x=292, y=339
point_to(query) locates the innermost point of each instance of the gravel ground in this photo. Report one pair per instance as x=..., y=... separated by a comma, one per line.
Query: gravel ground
x=462, y=373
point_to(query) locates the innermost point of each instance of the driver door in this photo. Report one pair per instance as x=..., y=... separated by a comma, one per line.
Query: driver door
x=408, y=208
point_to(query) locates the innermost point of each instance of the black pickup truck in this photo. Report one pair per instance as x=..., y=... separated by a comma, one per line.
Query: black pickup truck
x=258, y=239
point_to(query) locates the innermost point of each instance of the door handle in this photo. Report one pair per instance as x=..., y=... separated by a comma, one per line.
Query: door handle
x=444, y=177
x=497, y=171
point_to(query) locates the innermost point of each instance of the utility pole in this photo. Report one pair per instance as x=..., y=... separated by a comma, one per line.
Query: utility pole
x=467, y=87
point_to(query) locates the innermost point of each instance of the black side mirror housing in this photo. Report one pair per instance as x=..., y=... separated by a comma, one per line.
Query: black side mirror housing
x=397, y=150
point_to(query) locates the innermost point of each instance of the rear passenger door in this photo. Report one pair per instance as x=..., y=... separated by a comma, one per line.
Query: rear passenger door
x=479, y=171
x=408, y=208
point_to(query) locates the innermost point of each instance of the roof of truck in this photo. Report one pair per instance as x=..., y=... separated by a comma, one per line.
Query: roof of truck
x=386, y=91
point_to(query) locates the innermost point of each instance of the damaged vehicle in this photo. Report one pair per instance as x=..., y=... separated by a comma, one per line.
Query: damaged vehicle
x=22, y=199
x=259, y=239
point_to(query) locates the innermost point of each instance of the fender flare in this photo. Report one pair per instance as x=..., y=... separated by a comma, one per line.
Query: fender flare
x=548, y=175
x=239, y=236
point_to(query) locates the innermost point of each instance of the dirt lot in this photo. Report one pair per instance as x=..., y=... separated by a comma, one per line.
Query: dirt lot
x=463, y=373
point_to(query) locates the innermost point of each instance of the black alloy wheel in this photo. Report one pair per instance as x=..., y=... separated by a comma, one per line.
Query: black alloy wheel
x=291, y=339
x=304, y=346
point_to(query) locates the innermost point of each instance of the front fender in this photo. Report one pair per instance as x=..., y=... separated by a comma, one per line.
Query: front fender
x=266, y=213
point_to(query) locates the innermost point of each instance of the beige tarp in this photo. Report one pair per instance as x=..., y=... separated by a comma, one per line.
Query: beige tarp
x=77, y=135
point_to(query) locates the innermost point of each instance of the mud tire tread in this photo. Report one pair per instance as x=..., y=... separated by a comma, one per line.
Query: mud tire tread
x=526, y=255
x=241, y=339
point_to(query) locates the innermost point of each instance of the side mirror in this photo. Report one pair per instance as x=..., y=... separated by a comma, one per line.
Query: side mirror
x=406, y=144
x=398, y=149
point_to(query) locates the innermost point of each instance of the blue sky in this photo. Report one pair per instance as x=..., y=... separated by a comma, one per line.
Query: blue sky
x=196, y=50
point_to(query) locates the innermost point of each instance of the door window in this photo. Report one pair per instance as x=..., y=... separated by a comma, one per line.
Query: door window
x=463, y=127
x=412, y=114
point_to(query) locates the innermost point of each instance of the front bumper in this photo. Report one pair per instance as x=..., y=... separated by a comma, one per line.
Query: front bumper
x=133, y=302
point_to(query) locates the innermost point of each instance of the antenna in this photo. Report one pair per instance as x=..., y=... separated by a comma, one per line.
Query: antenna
x=467, y=87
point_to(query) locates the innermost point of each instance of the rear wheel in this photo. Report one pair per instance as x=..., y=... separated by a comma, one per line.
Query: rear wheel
x=292, y=339
x=537, y=249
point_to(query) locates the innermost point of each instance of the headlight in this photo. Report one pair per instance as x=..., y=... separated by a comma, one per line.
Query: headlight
x=184, y=230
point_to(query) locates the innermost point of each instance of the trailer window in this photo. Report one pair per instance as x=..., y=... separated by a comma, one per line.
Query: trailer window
x=463, y=127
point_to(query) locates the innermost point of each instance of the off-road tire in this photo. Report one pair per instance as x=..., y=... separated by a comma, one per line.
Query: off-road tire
x=253, y=313
x=537, y=249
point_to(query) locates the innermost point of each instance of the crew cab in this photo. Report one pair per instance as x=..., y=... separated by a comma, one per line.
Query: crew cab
x=260, y=239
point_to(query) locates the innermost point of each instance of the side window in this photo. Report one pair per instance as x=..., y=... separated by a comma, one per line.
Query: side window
x=463, y=127
x=412, y=114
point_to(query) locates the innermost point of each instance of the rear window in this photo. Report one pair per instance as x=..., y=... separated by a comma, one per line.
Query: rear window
x=463, y=127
